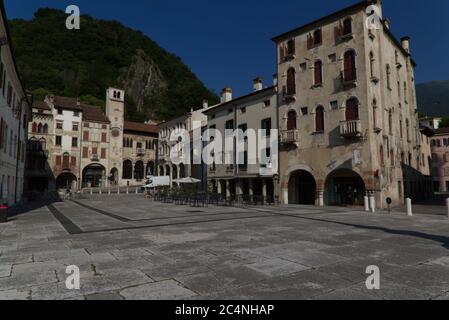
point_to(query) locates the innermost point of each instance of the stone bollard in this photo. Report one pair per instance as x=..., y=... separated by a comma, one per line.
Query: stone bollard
x=366, y=200
x=101, y=192
x=127, y=190
x=109, y=191
x=137, y=190
x=91, y=191
x=118, y=190
x=447, y=206
x=372, y=203
x=409, y=207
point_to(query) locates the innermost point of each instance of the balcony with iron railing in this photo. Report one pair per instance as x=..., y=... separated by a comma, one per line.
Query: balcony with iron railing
x=140, y=151
x=94, y=157
x=351, y=129
x=289, y=137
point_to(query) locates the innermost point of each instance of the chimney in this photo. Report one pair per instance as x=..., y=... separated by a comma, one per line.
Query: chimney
x=406, y=43
x=205, y=104
x=226, y=95
x=387, y=23
x=258, y=84
x=275, y=80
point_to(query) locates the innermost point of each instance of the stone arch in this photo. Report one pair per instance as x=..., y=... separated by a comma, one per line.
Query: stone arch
x=345, y=187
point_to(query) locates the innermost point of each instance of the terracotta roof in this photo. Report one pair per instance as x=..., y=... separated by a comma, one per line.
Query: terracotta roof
x=442, y=131
x=141, y=127
x=67, y=103
x=93, y=114
x=42, y=105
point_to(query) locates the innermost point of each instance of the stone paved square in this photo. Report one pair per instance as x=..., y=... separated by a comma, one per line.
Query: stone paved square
x=128, y=247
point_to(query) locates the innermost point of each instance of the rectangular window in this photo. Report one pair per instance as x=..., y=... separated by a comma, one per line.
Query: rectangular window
x=76, y=114
x=103, y=153
x=95, y=151
x=243, y=110
x=266, y=125
x=9, y=95
x=59, y=111
x=86, y=135
x=73, y=161
x=75, y=126
x=59, y=125
x=229, y=125
x=267, y=103
x=303, y=66
x=334, y=105
x=332, y=58
x=103, y=137
x=304, y=111
x=58, y=160
x=58, y=141
x=85, y=152
x=74, y=142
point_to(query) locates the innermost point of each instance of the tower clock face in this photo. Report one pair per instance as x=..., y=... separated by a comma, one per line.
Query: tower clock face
x=115, y=132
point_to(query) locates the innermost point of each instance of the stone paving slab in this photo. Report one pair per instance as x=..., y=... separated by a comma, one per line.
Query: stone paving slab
x=133, y=248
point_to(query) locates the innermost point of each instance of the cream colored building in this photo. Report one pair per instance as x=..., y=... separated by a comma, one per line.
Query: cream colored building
x=74, y=145
x=15, y=112
x=248, y=179
x=348, y=113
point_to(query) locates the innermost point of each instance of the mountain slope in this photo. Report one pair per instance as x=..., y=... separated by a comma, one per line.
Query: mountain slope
x=83, y=63
x=433, y=98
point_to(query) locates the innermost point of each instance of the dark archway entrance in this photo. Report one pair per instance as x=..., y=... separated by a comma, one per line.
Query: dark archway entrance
x=139, y=171
x=66, y=181
x=301, y=188
x=150, y=169
x=344, y=187
x=114, y=176
x=93, y=176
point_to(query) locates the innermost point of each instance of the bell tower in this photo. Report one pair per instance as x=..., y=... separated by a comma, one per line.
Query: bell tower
x=115, y=111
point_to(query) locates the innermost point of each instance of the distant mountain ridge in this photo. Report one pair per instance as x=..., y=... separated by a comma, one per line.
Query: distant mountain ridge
x=84, y=63
x=433, y=98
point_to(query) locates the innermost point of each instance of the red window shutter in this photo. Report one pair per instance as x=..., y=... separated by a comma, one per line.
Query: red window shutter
x=318, y=72
x=73, y=162
x=352, y=110
x=34, y=128
x=319, y=119
x=86, y=135
x=103, y=137
x=103, y=153
x=95, y=151
x=58, y=160
x=85, y=152
x=309, y=41
x=291, y=121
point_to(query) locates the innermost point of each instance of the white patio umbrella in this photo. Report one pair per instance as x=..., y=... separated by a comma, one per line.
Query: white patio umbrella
x=188, y=180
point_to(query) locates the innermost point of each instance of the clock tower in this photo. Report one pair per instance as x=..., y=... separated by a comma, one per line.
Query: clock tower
x=115, y=111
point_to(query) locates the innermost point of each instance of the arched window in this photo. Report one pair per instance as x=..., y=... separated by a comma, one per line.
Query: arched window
x=127, y=169
x=318, y=72
x=45, y=128
x=138, y=171
x=34, y=127
x=347, y=26
x=371, y=63
x=42, y=144
x=381, y=155
x=317, y=37
x=390, y=121
x=352, y=109
x=375, y=113
x=40, y=128
x=319, y=119
x=291, y=82
x=388, y=76
x=400, y=128
x=407, y=128
x=392, y=157
x=291, y=120
x=150, y=169
x=350, y=73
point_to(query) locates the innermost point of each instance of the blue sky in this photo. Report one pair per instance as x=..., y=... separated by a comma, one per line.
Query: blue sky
x=227, y=43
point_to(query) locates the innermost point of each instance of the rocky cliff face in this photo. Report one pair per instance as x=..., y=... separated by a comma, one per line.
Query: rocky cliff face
x=142, y=80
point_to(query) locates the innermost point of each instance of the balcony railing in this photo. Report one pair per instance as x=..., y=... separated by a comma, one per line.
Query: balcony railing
x=140, y=151
x=351, y=129
x=290, y=136
x=349, y=76
x=94, y=157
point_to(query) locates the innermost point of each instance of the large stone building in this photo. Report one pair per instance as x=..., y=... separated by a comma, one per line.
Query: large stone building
x=15, y=113
x=195, y=120
x=348, y=112
x=75, y=145
x=252, y=179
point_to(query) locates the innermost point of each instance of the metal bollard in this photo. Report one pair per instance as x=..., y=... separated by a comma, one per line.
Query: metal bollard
x=409, y=207
x=366, y=199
